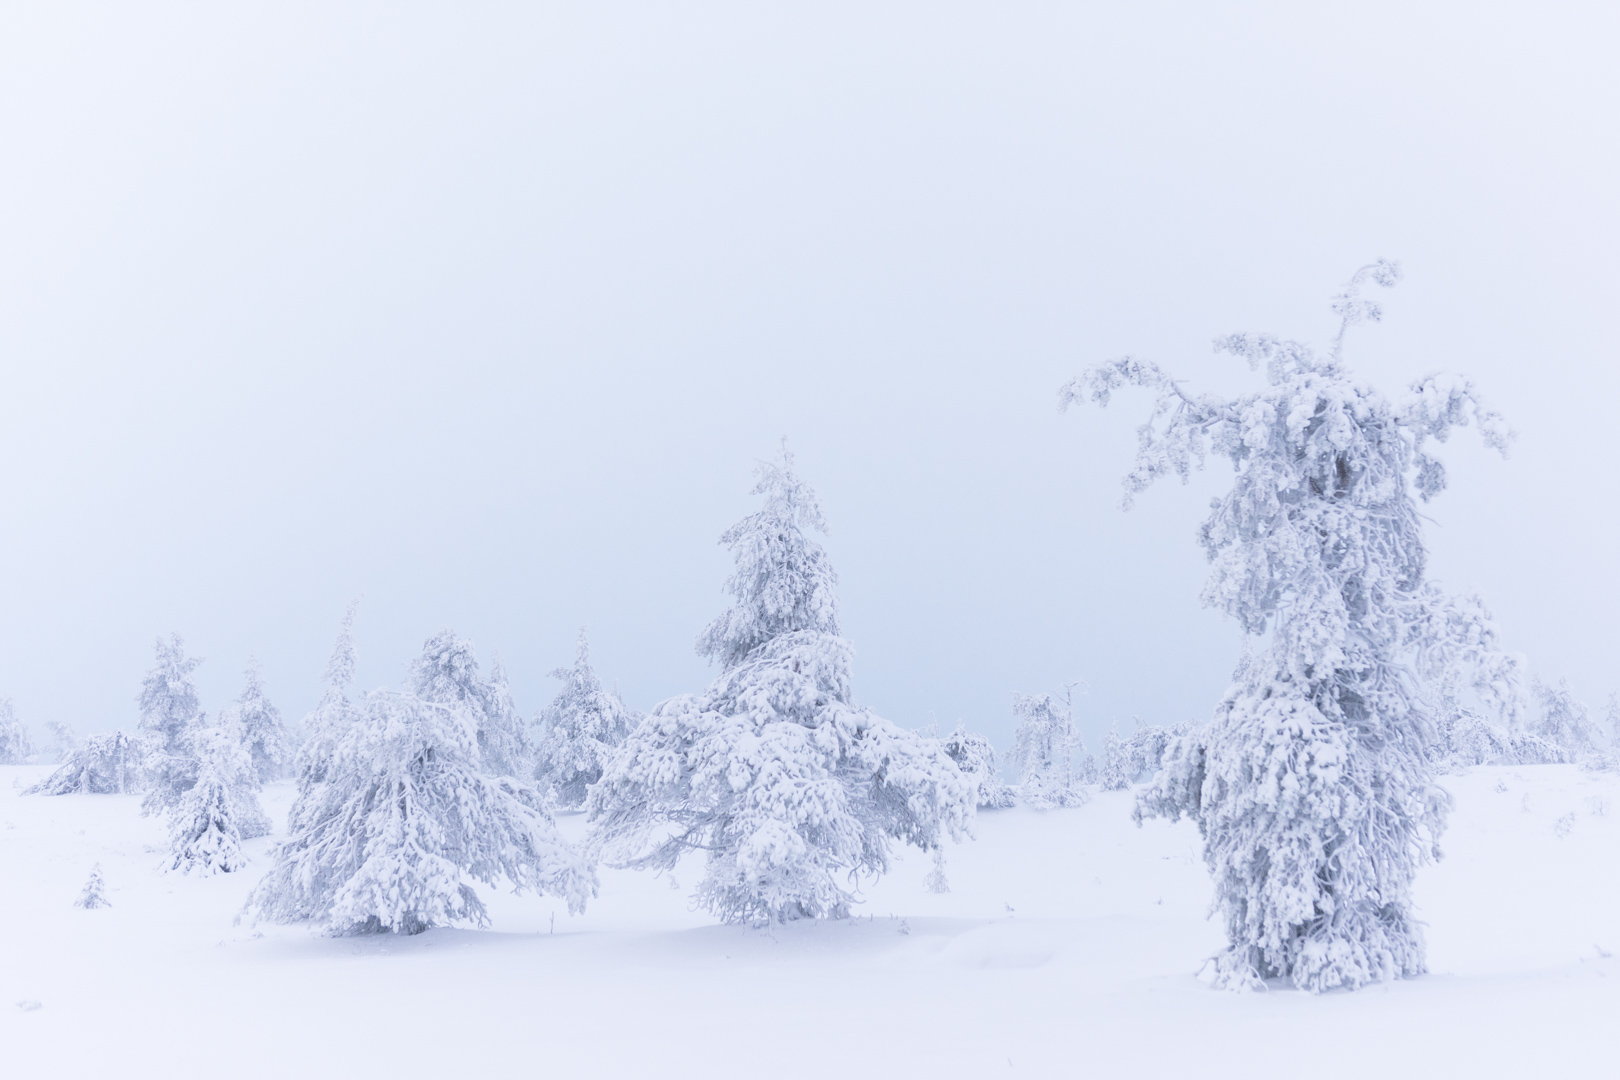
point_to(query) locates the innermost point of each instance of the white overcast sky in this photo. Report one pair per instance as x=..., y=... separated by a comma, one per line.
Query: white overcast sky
x=486, y=311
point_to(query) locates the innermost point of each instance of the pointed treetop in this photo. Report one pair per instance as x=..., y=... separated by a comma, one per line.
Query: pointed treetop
x=340, y=669
x=783, y=582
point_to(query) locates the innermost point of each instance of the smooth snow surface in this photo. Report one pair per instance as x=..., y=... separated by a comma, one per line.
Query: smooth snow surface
x=1067, y=947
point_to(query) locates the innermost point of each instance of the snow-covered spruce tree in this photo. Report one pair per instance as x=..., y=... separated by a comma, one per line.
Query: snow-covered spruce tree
x=1044, y=750
x=1313, y=784
x=976, y=759
x=581, y=728
x=791, y=789
x=108, y=763
x=209, y=821
x=1117, y=773
x=258, y=723
x=62, y=740
x=94, y=894
x=169, y=715
x=447, y=673
x=15, y=746
x=1564, y=721
x=331, y=719
x=405, y=820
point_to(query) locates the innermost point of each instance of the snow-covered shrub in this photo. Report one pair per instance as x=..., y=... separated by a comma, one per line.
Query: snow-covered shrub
x=94, y=894
x=1044, y=749
x=169, y=715
x=447, y=673
x=209, y=821
x=976, y=759
x=582, y=727
x=791, y=789
x=15, y=745
x=403, y=819
x=108, y=763
x=257, y=722
x=1313, y=785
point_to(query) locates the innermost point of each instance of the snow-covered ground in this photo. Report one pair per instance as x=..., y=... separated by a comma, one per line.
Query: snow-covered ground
x=1067, y=946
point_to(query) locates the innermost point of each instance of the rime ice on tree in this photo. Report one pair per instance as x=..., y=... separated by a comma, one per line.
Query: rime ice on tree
x=1313, y=784
x=1044, y=750
x=397, y=817
x=169, y=715
x=789, y=788
x=447, y=673
x=976, y=759
x=583, y=725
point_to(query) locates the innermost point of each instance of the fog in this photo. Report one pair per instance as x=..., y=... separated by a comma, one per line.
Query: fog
x=485, y=313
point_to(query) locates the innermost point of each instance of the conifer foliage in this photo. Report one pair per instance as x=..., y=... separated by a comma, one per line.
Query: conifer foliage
x=170, y=714
x=581, y=728
x=791, y=789
x=1313, y=785
x=15, y=746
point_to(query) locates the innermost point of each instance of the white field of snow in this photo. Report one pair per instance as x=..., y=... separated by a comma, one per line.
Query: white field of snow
x=1067, y=947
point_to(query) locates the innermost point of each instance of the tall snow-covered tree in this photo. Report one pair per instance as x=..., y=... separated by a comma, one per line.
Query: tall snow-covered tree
x=405, y=819
x=107, y=763
x=975, y=757
x=1313, y=784
x=258, y=723
x=581, y=728
x=447, y=673
x=15, y=745
x=1117, y=773
x=170, y=713
x=791, y=790
x=209, y=821
x=1045, y=746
